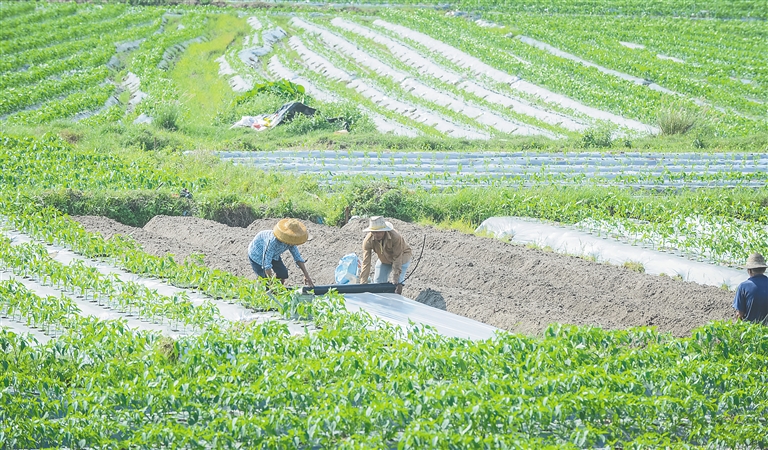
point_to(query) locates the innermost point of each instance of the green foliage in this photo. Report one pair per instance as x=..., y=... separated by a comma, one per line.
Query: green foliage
x=673, y=121
x=228, y=209
x=600, y=137
x=145, y=138
x=356, y=381
x=134, y=208
x=285, y=89
x=634, y=266
x=167, y=116
x=343, y=116
x=375, y=198
x=259, y=103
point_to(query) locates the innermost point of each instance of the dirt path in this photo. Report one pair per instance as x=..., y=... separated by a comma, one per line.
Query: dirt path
x=505, y=285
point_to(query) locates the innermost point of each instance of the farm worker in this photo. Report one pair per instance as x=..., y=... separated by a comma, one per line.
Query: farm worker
x=394, y=254
x=265, y=250
x=751, y=301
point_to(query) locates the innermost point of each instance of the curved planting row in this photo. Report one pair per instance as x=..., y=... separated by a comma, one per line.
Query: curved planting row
x=322, y=66
x=416, y=88
x=424, y=65
x=383, y=125
x=478, y=67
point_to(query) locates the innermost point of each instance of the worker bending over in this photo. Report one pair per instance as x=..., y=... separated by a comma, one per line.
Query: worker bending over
x=751, y=301
x=394, y=254
x=265, y=250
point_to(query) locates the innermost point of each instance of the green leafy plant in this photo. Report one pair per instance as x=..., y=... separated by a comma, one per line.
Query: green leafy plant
x=674, y=121
x=285, y=89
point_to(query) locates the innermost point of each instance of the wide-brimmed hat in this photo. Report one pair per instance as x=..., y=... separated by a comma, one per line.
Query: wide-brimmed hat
x=291, y=231
x=755, y=261
x=379, y=224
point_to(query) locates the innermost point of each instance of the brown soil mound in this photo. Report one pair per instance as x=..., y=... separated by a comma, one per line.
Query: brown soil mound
x=505, y=285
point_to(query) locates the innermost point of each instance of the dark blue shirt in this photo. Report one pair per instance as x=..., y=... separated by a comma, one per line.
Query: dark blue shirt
x=752, y=298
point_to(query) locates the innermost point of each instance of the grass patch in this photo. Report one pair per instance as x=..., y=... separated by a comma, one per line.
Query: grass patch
x=196, y=74
x=673, y=121
x=634, y=266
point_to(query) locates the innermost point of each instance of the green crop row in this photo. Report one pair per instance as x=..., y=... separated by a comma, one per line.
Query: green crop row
x=360, y=382
x=352, y=385
x=89, y=99
x=32, y=261
x=86, y=22
x=58, y=167
x=14, y=99
x=712, y=69
x=67, y=48
x=572, y=79
x=101, y=29
x=87, y=59
x=23, y=13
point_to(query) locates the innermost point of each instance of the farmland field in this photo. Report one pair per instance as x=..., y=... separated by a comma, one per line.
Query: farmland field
x=129, y=317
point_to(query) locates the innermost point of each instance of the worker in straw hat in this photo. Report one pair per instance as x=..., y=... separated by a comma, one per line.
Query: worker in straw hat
x=394, y=254
x=265, y=250
x=751, y=301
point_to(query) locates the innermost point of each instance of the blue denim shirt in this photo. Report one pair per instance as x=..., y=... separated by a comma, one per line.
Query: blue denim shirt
x=265, y=248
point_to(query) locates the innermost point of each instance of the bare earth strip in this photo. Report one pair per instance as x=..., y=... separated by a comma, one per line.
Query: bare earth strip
x=476, y=66
x=504, y=285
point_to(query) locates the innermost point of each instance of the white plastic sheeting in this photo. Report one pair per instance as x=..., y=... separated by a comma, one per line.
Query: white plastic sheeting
x=624, y=76
x=133, y=84
x=250, y=56
x=237, y=82
x=91, y=309
x=401, y=311
x=19, y=328
x=281, y=72
x=632, y=45
x=635, y=169
x=322, y=66
x=567, y=240
x=637, y=80
x=414, y=59
x=224, y=67
x=419, y=89
x=228, y=310
x=476, y=66
x=254, y=22
x=383, y=124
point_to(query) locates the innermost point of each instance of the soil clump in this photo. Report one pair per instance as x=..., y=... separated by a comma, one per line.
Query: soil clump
x=505, y=285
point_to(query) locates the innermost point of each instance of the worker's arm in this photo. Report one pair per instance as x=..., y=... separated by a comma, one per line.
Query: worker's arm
x=738, y=305
x=398, y=247
x=307, y=279
x=367, y=250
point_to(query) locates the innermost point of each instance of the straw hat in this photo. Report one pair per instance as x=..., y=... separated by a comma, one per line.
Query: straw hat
x=291, y=231
x=379, y=224
x=755, y=261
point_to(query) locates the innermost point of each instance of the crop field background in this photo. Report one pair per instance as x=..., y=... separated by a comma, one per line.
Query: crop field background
x=642, y=122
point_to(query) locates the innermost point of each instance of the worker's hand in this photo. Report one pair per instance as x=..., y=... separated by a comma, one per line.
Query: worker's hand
x=308, y=281
x=399, y=289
